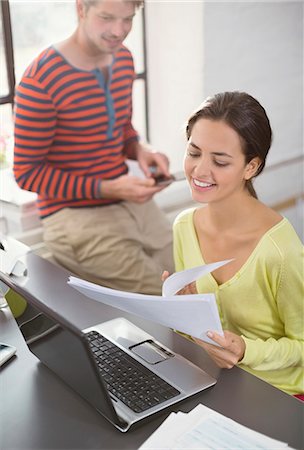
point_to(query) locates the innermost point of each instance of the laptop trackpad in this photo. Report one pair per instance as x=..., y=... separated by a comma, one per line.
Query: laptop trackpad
x=151, y=352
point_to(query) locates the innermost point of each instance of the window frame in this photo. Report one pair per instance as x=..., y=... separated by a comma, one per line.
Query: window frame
x=9, y=53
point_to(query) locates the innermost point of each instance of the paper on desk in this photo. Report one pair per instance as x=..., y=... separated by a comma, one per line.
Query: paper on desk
x=204, y=428
x=190, y=314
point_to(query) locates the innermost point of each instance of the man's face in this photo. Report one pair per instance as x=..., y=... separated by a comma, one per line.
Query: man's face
x=106, y=24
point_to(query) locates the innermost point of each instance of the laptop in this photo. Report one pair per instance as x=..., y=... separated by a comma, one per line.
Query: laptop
x=122, y=371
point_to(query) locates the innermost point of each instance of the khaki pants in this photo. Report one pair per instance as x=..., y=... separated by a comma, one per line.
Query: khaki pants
x=124, y=246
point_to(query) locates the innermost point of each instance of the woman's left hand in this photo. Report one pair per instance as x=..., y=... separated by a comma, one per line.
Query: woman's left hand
x=231, y=350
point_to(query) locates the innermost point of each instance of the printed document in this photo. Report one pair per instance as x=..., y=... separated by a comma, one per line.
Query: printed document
x=193, y=314
x=205, y=429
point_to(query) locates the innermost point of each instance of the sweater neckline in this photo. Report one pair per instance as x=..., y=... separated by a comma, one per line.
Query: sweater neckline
x=92, y=71
x=248, y=260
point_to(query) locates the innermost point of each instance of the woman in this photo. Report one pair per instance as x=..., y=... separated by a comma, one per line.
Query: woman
x=260, y=293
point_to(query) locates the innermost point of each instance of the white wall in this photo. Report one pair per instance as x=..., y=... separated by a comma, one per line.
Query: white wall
x=199, y=48
x=175, y=67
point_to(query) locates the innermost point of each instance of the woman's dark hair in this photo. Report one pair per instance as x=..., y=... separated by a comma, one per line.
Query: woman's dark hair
x=245, y=115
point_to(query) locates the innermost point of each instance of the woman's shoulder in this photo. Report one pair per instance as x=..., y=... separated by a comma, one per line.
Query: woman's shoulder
x=273, y=229
x=284, y=231
x=282, y=240
x=184, y=217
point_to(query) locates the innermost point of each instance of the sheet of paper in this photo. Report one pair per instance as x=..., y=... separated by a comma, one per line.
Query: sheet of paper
x=193, y=315
x=216, y=431
x=178, y=280
x=204, y=428
x=190, y=314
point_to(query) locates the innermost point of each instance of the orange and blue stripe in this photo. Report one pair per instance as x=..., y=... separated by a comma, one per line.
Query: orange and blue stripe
x=72, y=130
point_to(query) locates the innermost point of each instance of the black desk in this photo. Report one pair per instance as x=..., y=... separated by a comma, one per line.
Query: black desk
x=38, y=411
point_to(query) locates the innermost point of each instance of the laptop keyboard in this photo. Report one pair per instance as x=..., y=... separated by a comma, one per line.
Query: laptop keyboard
x=126, y=378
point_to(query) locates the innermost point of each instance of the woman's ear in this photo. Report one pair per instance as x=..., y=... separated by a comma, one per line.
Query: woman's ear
x=252, y=168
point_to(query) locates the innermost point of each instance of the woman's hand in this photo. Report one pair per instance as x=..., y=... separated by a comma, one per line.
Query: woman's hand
x=165, y=275
x=188, y=289
x=231, y=351
x=232, y=347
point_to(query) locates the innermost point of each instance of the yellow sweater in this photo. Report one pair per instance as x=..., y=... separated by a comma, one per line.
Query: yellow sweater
x=263, y=302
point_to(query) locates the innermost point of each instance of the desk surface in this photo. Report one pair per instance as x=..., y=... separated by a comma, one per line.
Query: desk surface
x=39, y=411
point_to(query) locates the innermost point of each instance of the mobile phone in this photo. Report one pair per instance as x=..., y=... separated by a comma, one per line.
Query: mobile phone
x=162, y=179
x=6, y=352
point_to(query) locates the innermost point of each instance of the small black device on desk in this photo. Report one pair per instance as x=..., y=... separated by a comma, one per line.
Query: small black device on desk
x=6, y=352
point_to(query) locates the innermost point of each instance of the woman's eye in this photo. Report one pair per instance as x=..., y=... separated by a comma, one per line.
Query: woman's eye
x=221, y=163
x=193, y=154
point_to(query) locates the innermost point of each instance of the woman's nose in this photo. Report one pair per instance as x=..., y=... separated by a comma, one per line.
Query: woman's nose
x=203, y=166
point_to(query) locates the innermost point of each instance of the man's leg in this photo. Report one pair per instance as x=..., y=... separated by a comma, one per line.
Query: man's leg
x=106, y=245
x=155, y=232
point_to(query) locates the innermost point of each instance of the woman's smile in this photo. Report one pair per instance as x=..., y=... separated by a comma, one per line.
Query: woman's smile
x=202, y=185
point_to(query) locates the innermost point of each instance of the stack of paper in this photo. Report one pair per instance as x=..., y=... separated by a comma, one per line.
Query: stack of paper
x=194, y=315
x=204, y=428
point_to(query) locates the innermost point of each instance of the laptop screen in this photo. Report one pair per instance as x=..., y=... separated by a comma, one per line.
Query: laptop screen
x=65, y=351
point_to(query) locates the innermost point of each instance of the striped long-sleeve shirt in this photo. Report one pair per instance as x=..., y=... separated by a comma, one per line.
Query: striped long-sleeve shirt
x=72, y=129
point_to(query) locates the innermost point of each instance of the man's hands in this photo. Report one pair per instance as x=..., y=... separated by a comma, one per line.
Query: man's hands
x=231, y=350
x=128, y=187
x=135, y=189
x=147, y=159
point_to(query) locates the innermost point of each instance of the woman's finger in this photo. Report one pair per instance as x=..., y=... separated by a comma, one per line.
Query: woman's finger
x=164, y=275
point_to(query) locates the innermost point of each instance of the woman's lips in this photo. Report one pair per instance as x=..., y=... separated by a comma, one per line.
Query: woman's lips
x=202, y=184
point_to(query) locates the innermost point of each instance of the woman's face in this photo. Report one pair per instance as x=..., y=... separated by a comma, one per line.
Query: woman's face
x=214, y=163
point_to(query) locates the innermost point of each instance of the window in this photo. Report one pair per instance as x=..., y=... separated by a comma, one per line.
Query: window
x=26, y=28
x=7, y=83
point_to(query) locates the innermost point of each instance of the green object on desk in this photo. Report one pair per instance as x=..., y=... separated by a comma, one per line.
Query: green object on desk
x=16, y=303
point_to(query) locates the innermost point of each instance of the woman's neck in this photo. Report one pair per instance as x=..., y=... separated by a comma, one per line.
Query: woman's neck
x=245, y=216
x=231, y=216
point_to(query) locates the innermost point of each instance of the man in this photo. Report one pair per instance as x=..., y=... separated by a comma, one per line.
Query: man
x=73, y=133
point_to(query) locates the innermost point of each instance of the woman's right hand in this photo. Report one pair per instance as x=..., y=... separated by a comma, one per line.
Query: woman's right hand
x=228, y=353
x=186, y=290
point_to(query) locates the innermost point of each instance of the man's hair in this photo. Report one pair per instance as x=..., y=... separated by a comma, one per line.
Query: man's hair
x=88, y=3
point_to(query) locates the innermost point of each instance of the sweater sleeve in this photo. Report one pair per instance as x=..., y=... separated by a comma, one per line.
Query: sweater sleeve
x=130, y=134
x=35, y=128
x=177, y=248
x=287, y=351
